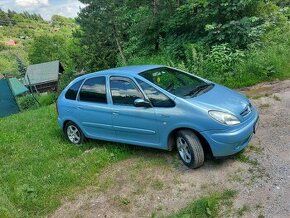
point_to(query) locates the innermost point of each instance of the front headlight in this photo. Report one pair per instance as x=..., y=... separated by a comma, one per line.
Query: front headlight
x=224, y=118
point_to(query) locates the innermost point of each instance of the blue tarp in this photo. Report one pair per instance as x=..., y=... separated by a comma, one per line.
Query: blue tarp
x=8, y=103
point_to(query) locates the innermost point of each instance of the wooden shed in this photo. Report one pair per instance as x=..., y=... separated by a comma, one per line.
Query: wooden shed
x=43, y=77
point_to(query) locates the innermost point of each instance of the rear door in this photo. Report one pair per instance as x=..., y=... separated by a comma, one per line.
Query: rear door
x=132, y=124
x=94, y=113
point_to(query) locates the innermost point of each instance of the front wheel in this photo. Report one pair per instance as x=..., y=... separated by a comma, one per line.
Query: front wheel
x=189, y=149
x=73, y=133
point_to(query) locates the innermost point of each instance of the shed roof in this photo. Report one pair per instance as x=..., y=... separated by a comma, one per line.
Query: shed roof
x=17, y=87
x=43, y=73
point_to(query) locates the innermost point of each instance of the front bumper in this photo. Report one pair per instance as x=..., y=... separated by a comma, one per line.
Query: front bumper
x=233, y=140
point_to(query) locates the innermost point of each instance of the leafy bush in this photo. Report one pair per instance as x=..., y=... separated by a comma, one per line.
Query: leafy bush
x=220, y=62
x=153, y=59
x=48, y=99
x=27, y=102
x=217, y=64
x=266, y=62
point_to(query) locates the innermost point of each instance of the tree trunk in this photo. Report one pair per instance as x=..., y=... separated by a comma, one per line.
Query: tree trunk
x=155, y=12
x=155, y=7
x=119, y=46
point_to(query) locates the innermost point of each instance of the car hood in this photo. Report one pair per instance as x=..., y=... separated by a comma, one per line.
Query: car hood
x=223, y=99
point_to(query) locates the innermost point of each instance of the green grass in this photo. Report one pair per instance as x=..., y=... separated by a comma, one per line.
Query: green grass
x=242, y=157
x=39, y=168
x=241, y=211
x=210, y=206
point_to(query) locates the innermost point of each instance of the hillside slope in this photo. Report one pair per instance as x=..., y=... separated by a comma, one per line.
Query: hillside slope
x=17, y=32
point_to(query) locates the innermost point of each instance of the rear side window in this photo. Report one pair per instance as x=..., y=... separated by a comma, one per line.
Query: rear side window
x=73, y=90
x=157, y=98
x=94, y=90
x=124, y=91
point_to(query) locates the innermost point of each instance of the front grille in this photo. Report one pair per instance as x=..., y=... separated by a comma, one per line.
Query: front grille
x=247, y=110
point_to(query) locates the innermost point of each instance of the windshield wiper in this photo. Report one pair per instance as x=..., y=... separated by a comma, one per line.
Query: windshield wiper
x=198, y=89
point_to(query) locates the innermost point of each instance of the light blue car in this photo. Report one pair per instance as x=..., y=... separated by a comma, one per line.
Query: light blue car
x=159, y=107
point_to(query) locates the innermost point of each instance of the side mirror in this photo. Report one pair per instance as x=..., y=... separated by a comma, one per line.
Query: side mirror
x=139, y=102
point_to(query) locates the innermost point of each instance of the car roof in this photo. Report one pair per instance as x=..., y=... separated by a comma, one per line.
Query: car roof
x=128, y=70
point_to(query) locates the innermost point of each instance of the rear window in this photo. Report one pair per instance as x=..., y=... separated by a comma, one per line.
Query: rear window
x=73, y=90
x=94, y=90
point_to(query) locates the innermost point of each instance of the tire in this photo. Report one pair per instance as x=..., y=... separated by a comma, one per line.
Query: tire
x=189, y=149
x=73, y=133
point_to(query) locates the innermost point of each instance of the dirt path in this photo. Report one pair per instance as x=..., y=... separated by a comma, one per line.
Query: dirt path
x=156, y=183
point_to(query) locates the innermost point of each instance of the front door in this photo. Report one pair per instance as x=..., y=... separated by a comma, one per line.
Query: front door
x=132, y=124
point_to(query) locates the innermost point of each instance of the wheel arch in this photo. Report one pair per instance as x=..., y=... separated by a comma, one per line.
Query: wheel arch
x=70, y=120
x=65, y=122
x=172, y=144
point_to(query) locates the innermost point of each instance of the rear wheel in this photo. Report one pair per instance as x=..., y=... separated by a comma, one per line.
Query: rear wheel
x=73, y=133
x=189, y=149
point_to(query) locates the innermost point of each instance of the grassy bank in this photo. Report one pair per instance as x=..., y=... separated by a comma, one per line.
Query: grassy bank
x=38, y=167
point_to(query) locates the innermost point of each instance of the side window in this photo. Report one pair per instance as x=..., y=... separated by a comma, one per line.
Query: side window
x=73, y=90
x=94, y=90
x=157, y=98
x=124, y=91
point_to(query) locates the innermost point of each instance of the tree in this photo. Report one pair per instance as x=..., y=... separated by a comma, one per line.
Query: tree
x=116, y=30
x=21, y=66
x=102, y=33
x=49, y=47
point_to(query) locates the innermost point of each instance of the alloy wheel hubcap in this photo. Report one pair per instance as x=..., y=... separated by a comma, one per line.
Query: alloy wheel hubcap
x=183, y=150
x=73, y=134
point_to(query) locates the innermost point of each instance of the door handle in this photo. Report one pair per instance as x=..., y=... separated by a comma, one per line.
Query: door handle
x=115, y=113
x=165, y=116
x=80, y=107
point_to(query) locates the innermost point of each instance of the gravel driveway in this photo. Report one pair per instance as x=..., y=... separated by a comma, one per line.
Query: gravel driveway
x=156, y=183
x=273, y=100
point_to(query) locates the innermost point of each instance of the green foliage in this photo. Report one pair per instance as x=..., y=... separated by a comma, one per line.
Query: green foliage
x=220, y=62
x=45, y=48
x=39, y=168
x=27, y=102
x=65, y=79
x=60, y=21
x=39, y=38
x=47, y=99
x=224, y=41
x=8, y=60
x=266, y=62
x=207, y=206
x=209, y=38
x=21, y=66
x=101, y=34
x=157, y=59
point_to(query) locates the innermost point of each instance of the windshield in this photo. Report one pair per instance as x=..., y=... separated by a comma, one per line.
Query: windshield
x=176, y=82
